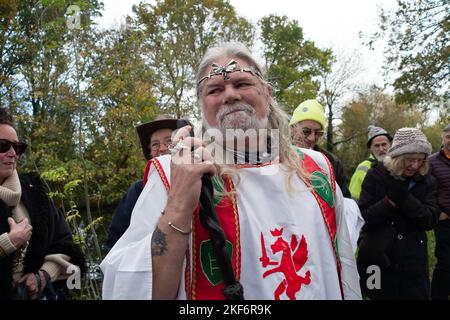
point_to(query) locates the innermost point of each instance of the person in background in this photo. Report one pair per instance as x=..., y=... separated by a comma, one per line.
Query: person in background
x=307, y=127
x=378, y=142
x=155, y=138
x=398, y=203
x=440, y=169
x=36, y=244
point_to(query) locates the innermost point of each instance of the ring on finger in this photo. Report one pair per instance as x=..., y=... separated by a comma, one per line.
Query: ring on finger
x=197, y=156
x=178, y=146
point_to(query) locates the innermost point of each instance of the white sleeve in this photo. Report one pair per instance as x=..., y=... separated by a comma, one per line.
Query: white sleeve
x=349, y=273
x=345, y=234
x=127, y=268
x=354, y=221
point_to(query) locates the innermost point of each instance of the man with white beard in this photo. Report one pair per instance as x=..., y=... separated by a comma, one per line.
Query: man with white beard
x=378, y=142
x=273, y=226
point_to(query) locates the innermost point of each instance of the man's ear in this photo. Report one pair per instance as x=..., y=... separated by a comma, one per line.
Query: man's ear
x=269, y=89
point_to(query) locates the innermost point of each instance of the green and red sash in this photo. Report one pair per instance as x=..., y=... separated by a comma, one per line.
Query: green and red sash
x=203, y=279
x=325, y=192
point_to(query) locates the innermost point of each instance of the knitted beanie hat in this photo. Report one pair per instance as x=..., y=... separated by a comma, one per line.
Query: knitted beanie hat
x=409, y=140
x=309, y=110
x=375, y=132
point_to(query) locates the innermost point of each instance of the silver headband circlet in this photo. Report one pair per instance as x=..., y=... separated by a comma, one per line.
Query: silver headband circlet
x=230, y=67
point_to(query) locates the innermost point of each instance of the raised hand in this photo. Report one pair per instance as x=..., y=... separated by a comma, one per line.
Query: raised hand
x=190, y=161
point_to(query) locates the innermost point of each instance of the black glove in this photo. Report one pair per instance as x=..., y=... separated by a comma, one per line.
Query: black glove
x=397, y=190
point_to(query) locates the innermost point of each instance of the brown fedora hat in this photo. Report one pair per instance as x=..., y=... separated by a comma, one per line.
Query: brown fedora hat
x=146, y=130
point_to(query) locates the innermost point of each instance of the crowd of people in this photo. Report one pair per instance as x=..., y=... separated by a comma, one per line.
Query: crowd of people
x=248, y=207
x=261, y=211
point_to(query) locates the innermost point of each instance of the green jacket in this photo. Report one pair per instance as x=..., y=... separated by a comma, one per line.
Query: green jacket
x=358, y=177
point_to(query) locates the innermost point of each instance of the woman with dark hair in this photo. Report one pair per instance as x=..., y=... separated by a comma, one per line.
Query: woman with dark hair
x=36, y=245
x=398, y=204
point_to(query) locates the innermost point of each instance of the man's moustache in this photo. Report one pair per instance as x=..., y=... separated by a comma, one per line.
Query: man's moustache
x=230, y=109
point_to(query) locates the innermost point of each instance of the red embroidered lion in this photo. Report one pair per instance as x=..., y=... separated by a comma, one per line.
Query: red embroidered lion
x=292, y=260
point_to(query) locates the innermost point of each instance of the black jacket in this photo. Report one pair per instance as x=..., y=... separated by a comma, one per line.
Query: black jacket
x=51, y=233
x=407, y=276
x=122, y=216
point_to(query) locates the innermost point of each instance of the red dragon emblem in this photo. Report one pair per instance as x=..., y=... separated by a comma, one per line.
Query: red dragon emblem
x=292, y=260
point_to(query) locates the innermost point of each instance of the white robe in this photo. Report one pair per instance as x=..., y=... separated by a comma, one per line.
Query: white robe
x=264, y=204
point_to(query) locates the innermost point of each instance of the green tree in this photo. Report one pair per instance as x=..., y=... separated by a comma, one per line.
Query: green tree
x=12, y=51
x=337, y=84
x=42, y=86
x=293, y=63
x=36, y=85
x=418, y=50
x=120, y=96
x=176, y=34
x=373, y=107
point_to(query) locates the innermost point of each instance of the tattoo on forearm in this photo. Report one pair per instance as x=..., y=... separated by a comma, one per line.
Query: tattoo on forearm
x=159, y=244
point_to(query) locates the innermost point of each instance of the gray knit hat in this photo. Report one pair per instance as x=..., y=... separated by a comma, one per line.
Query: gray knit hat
x=409, y=140
x=375, y=132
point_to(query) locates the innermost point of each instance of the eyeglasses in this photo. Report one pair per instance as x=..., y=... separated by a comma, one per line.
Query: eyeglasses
x=308, y=131
x=411, y=161
x=155, y=145
x=19, y=147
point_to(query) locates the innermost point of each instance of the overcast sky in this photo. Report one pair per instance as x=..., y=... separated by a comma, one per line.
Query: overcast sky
x=329, y=23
